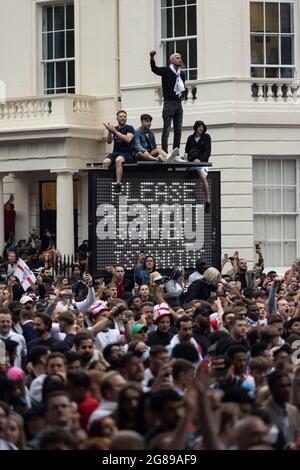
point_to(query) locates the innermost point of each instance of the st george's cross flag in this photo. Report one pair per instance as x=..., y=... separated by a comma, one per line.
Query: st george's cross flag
x=24, y=274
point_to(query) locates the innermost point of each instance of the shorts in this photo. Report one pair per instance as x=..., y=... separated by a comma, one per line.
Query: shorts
x=128, y=157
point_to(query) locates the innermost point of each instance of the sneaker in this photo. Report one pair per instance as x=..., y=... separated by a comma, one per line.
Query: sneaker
x=175, y=153
x=162, y=158
x=207, y=207
x=118, y=188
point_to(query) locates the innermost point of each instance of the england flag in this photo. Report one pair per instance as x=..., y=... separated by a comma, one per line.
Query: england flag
x=24, y=274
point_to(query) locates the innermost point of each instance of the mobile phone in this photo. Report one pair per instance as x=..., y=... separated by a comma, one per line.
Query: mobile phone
x=257, y=246
x=225, y=255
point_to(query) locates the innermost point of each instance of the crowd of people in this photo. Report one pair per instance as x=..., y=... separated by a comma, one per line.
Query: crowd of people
x=137, y=360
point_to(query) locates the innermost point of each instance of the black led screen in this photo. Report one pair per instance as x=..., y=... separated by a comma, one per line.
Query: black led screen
x=160, y=211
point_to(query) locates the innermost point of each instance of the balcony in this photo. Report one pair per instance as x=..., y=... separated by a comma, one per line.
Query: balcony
x=49, y=112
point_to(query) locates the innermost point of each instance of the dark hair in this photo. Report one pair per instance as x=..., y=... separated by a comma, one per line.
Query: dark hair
x=36, y=353
x=235, y=349
x=79, y=378
x=198, y=124
x=144, y=264
x=258, y=348
x=53, y=385
x=81, y=336
x=181, y=365
x=67, y=317
x=45, y=319
x=157, y=349
x=183, y=319
x=159, y=398
x=237, y=395
x=185, y=351
x=57, y=436
x=107, y=350
x=121, y=111
x=56, y=354
x=146, y=117
x=71, y=356
x=127, y=358
x=275, y=376
x=284, y=348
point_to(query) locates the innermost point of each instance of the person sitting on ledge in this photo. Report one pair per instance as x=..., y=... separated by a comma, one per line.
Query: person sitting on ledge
x=145, y=143
x=123, y=136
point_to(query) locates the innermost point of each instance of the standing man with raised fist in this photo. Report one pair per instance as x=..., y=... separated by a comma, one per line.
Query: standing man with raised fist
x=174, y=91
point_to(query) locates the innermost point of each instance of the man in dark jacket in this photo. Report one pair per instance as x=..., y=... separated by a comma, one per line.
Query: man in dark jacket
x=174, y=91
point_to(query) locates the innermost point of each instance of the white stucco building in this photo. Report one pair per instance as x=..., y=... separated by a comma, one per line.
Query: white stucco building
x=67, y=66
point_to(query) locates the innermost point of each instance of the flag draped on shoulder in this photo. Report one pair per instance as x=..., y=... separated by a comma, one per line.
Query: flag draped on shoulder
x=24, y=274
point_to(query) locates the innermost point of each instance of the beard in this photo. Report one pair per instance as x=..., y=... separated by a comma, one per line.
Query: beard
x=39, y=333
x=86, y=357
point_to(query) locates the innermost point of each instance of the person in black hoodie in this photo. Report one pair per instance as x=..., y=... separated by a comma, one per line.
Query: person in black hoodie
x=198, y=150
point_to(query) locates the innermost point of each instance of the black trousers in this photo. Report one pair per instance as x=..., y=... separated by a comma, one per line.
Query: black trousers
x=172, y=111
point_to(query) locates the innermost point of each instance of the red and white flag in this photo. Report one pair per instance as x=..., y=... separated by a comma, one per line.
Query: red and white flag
x=24, y=274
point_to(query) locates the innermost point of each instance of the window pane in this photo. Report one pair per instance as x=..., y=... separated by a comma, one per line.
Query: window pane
x=193, y=53
x=166, y=3
x=289, y=227
x=181, y=48
x=272, y=22
x=289, y=172
x=60, y=91
x=274, y=200
x=259, y=172
x=60, y=74
x=274, y=172
x=260, y=228
x=47, y=19
x=272, y=72
x=71, y=73
x=167, y=23
x=259, y=200
x=272, y=56
x=287, y=72
x=287, y=50
x=179, y=22
x=257, y=50
x=48, y=46
x=289, y=253
x=192, y=75
x=170, y=48
x=256, y=17
x=70, y=43
x=49, y=75
x=273, y=252
x=59, y=18
x=192, y=21
x=70, y=17
x=289, y=200
x=179, y=2
x=257, y=72
x=273, y=225
x=71, y=90
x=286, y=16
x=59, y=40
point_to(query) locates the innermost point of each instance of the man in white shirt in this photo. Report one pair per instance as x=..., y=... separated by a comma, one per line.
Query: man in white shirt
x=7, y=333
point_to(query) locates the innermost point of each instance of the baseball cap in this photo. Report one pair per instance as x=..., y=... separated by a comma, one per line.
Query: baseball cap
x=161, y=310
x=26, y=299
x=137, y=327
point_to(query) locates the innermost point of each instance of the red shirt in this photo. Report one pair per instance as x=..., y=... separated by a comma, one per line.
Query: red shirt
x=85, y=409
x=120, y=290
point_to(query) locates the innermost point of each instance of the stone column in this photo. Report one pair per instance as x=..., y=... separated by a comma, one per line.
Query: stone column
x=21, y=207
x=65, y=212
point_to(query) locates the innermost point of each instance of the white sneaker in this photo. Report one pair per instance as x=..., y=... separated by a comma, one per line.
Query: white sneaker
x=174, y=154
x=162, y=158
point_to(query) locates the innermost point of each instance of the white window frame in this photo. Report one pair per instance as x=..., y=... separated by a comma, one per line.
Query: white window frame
x=266, y=185
x=279, y=66
x=65, y=59
x=164, y=41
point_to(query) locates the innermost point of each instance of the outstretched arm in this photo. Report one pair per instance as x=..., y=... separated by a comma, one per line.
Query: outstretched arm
x=157, y=70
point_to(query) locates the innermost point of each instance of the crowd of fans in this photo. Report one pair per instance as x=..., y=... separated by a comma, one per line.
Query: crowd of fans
x=201, y=360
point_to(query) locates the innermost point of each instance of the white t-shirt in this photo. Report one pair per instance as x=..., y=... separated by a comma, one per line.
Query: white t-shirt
x=21, y=348
x=107, y=337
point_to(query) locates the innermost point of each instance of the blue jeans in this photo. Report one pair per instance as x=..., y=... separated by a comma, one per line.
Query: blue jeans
x=172, y=111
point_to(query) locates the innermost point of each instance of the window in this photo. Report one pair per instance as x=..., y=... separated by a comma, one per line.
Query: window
x=58, y=48
x=272, y=39
x=179, y=33
x=275, y=209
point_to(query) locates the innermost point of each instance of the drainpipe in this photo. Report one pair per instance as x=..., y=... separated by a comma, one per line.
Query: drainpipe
x=118, y=99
